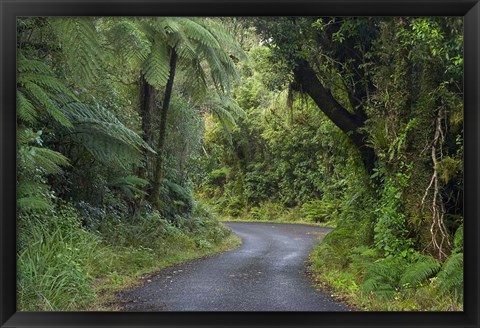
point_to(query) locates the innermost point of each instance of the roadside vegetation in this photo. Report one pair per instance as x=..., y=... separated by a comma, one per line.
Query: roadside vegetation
x=135, y=135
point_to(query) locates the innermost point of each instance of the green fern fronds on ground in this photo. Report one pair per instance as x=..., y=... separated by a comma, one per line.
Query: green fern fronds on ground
x=450, y=278
x=417, y=273
x=383, y=277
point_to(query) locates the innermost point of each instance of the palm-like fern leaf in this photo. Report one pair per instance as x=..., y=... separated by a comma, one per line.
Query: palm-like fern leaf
x=80, y=44
x=156, y=66
x=38, y=91
x=47, y=160
x=129, y=39
x=25, y=109
x=104, y=136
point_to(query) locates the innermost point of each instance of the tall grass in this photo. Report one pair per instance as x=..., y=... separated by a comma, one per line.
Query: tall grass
x=64, y=267
x=52, y=273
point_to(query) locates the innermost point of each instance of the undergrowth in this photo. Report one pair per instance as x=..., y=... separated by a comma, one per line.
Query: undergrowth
x=364, y=278
x=63, y=266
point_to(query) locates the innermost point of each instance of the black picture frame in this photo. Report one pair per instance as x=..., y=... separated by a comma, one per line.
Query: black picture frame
x=9, y=10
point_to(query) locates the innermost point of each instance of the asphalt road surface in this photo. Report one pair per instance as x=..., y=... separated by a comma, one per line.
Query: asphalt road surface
x=266, y=273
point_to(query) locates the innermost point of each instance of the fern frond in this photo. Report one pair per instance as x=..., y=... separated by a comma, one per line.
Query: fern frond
x=99, y=120
x=378, y=287
x=130, y=39
x=450, y=279
x=25, y=135
x=225, y=38
x=107, y=149
x=47, y=160
x=35, y=66
x=157, y=65
x=44, y=101
x=426, y=267
x=29, y=188
x=46, y=81
x=37, y=92
x=195, y=81
x=80, y=44
x=130, y=185
x=198, y=32
x=25, y=109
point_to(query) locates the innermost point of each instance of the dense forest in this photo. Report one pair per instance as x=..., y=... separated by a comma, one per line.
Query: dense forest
x=136, y=137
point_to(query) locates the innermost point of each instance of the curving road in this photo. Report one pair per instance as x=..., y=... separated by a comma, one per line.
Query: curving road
x=266, y=273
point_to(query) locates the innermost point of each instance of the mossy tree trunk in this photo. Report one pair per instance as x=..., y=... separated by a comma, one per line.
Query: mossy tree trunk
x=158, y=173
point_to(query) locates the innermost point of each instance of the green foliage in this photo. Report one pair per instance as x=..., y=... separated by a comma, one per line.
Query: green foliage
x=320, y=211
x=39, y=92
x=34, y=164
x=449, y=167
x=103, y=135
x=156, y=66
x=450, y=278
x=131, y=186
x=281, y=158
x=425, y=267
x=218, y=177
x=390, y=229
x=267, y=211
x=80, y=45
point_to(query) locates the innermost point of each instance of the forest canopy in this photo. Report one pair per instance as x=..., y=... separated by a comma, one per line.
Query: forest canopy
x=136, y=136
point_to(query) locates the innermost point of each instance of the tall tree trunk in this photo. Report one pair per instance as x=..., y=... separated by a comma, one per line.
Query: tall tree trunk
x=147, y=108
x=158, y=173
x=340, y=116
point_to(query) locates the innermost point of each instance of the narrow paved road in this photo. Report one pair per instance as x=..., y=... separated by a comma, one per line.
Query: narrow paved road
x=266, y=273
